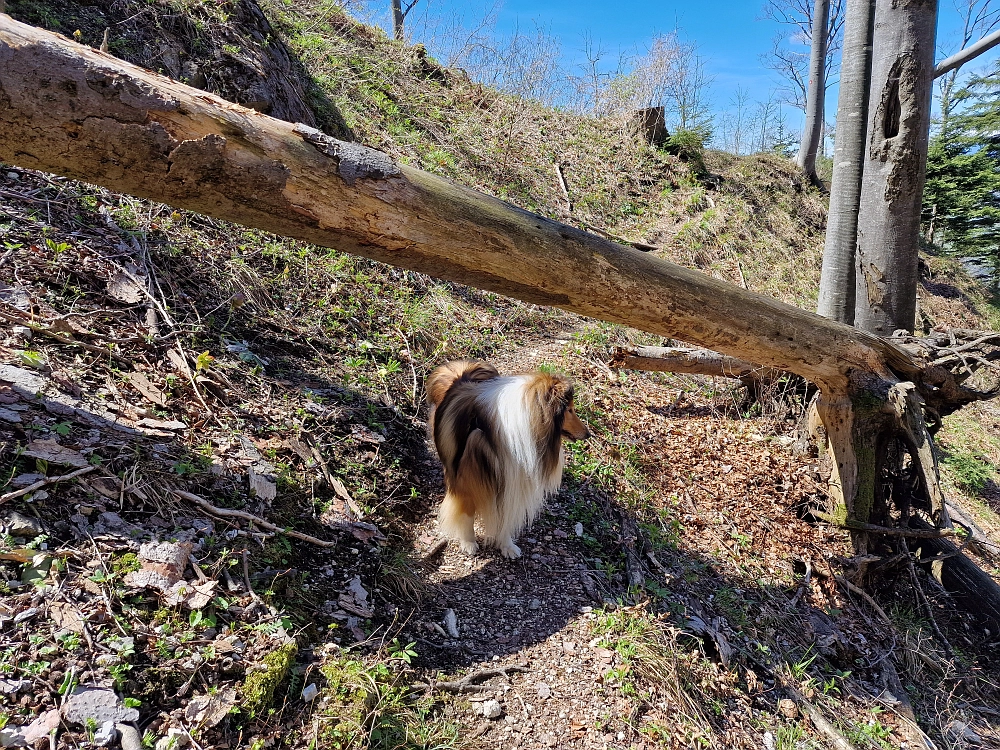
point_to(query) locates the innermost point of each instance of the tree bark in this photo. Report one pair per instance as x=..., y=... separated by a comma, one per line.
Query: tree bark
x=836, y=287
x=397, y=19
x=899, y=109
x=72, y=110
x=812, y=134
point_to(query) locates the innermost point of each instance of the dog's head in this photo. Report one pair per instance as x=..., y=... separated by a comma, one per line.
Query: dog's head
x=561, y=395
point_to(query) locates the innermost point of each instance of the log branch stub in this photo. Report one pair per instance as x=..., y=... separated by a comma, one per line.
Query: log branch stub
x=693, y=362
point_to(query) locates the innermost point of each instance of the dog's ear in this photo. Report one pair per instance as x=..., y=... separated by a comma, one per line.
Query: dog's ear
x=561, y=390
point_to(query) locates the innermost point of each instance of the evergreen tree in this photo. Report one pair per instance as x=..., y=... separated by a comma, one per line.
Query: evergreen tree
x=961, y=205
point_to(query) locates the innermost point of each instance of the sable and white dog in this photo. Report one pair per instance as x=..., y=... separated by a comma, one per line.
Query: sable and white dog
x=500, y=441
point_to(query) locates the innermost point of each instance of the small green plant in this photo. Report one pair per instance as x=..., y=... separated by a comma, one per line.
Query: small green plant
x=399, y=652
x=63, y=428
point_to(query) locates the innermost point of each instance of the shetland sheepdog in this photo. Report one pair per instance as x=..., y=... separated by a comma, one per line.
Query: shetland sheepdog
x=500, y=442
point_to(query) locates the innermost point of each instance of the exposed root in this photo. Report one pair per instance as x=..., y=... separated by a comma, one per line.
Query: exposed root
x=468, y=684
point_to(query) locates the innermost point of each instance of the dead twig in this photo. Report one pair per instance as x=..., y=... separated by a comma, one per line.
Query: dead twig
x=644, y=247
x=468, y=683
x=256, y=520
x=824, y=727
x=43, y=482
x=565, y=189
x=864, y=595
x=925, y=603
x=42, y=330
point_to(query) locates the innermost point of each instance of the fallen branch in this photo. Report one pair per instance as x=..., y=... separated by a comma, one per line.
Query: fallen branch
x=644, y=247
x=854, y=589
x=43, y=482
x=256, y=520
x=468, y=683
x=824, y=727
x=565, y=188
x=852, y=525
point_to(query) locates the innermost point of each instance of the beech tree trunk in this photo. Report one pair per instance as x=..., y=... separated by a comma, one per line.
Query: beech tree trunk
x=75, y=111
x=836, y=286
x=899, y=111
x=812, y=134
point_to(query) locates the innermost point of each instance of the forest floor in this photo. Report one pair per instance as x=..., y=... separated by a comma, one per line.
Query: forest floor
x=671, y=595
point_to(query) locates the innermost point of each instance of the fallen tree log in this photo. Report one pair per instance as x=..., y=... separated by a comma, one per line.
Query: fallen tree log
x=75, y=111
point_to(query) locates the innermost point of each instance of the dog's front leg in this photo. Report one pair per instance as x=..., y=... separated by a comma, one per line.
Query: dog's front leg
x=507, y=547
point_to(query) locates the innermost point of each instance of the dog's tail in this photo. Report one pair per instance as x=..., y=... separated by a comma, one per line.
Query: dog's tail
x=444, y=377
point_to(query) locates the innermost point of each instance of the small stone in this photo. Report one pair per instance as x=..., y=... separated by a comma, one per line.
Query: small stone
x=23, y=480
x=100, y=704
x=535, y=604
x=12, y=737
x=491, y=709
x=543, y=690
x=107, y=734
x=42, y=726
x=173, y=740
x=578, y=529
x=451, y=623
x=18, y=524
x=107, y=660
x=569, y=647
x=21, y=332
x=788, y=709
x=26, y=614
x=309, y=692
x=13, y=687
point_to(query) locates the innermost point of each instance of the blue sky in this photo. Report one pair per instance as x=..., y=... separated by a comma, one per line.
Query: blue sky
x=730, y=35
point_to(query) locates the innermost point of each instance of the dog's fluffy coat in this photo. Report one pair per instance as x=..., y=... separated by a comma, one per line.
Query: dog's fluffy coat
x=500, y=442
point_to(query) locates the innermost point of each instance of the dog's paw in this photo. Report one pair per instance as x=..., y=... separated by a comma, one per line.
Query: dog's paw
x=469, y=548
x=510, y=550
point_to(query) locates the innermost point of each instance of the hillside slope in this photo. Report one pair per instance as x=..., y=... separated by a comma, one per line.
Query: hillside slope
x=219, y=387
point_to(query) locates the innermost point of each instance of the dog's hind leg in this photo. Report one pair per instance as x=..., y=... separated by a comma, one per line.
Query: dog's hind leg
x=456, y=521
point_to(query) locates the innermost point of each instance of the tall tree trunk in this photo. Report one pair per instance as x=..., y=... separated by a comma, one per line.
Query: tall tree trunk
x=836, y=287
x=398, y=31
x=72, y=110
x=812, y=133
x=899, y=109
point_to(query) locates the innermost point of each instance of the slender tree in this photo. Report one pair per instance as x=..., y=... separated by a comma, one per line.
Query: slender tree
x=812, y=133
x=836, y=289
x=789, y=63
x=399, y=14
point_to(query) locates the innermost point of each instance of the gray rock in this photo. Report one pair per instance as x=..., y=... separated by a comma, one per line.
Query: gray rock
x=173, y=740
x=535, y=604
x=12, y=737
x=106, y=735
x=23, y=480
x=10, y=416
x=18, y=524
x=100, y=704
x=491, y=709
x=25, y=382
x=309, y=692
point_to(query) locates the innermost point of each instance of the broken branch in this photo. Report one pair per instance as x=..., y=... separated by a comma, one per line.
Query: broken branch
x=43, y=482
x=256, y=520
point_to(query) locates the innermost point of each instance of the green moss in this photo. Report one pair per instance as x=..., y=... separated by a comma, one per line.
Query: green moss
x=125, y=564
x=259, y=687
